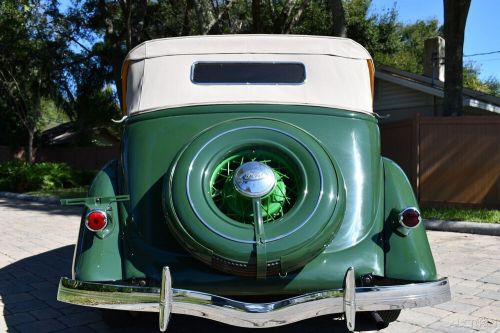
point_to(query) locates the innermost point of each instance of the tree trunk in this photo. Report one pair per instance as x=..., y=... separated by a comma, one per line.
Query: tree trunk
x=29, y=155
x=256, y=17
x=455, y=17
x=338, y=16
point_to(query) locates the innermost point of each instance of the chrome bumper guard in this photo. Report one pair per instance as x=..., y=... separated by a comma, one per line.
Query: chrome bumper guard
x=167, y=300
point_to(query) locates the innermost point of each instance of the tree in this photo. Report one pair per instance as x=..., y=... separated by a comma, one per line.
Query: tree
x=118, y=26
x=378, y=33
x=338, y=16
x=409, y=54
x=491, y=86
x=30, y=59
x=455, y=17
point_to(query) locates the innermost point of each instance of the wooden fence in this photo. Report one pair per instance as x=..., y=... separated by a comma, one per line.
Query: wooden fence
x=86, y=158
x=5, y=154
x=449, y=161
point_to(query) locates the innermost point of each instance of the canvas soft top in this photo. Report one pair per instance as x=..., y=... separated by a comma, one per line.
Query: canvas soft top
x=157, y=74
x=259, y=44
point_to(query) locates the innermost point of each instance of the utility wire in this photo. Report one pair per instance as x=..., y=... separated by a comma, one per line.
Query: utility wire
x=479, y=54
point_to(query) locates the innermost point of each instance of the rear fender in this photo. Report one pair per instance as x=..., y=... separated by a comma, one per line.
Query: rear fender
x=407, y=257
x=98, y=254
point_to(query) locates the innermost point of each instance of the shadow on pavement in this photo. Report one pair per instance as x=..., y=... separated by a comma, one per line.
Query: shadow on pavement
x=28, y=290
x=41, y=207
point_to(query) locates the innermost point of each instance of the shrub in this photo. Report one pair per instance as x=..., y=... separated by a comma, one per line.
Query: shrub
x=19, y=176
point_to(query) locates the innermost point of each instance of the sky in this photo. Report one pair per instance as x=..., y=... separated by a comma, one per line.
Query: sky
x=482, y=30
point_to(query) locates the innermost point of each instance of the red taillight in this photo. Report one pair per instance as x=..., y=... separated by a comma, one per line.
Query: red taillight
x=96, y=220
x=410, y=218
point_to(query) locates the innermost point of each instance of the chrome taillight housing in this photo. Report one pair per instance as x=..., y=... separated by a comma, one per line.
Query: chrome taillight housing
x=96, y=220
x=410, y=218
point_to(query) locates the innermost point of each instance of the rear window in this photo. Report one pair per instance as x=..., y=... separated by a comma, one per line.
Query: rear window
x=248, y=73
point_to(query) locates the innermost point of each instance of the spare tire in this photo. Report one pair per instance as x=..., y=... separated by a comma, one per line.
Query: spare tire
x=215, y=222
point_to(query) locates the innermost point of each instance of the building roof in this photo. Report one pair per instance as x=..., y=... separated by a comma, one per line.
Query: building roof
x=427, y=85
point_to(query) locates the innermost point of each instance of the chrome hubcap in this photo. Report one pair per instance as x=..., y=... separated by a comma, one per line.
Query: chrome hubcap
x=254, y=179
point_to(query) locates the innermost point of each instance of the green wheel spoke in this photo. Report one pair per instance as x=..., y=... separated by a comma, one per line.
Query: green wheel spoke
x=274, y=206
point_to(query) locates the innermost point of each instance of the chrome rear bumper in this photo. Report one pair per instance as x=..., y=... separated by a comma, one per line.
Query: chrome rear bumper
x=167, y=300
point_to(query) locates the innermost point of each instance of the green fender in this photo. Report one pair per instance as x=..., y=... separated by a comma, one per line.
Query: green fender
x=97, y=254
x=406, y=257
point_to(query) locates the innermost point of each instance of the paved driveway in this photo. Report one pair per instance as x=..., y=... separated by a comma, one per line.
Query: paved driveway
x=36, y=249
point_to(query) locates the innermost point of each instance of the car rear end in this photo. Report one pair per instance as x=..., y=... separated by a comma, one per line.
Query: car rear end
x=251, y=190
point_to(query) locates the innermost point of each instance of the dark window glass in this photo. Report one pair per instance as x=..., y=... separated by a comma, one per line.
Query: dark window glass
x=248, y=73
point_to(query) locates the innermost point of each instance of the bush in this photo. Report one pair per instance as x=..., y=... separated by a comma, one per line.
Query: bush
x=19, y=176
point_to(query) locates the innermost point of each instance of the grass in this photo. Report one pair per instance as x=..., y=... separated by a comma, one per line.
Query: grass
x=63, y=193
x=463, y=214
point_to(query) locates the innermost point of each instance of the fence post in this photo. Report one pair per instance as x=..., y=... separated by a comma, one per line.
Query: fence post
x=416, y=155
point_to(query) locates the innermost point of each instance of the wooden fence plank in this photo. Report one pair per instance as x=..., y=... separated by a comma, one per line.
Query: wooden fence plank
x=457, y=158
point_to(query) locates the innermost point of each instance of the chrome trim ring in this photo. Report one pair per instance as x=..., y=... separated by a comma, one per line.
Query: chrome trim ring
x=105, y=220
x=197, y=213
x=400, y=219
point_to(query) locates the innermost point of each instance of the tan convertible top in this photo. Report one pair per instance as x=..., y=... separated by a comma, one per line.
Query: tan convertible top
x=157, y=74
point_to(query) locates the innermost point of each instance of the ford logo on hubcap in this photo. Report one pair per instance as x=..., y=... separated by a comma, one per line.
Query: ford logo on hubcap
x=254, y=179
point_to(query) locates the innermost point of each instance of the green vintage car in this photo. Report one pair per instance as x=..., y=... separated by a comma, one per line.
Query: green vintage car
x=251, y=190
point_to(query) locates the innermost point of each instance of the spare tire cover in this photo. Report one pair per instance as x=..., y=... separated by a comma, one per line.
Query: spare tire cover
x=215, y=223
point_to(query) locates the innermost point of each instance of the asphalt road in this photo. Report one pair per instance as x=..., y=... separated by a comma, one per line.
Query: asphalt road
x=36, y=248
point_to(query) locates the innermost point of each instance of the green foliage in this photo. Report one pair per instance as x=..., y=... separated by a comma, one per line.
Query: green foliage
x=462, y=214
x=378, y=33
x=493, y=85
x=95, y=107
x=30, y=55
x=389, y=41
x=316, y=20
x=51, y=115
x=472, y=81
x=409, y=53
x=361, y=27
x=19, y=176
x=47, y=68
